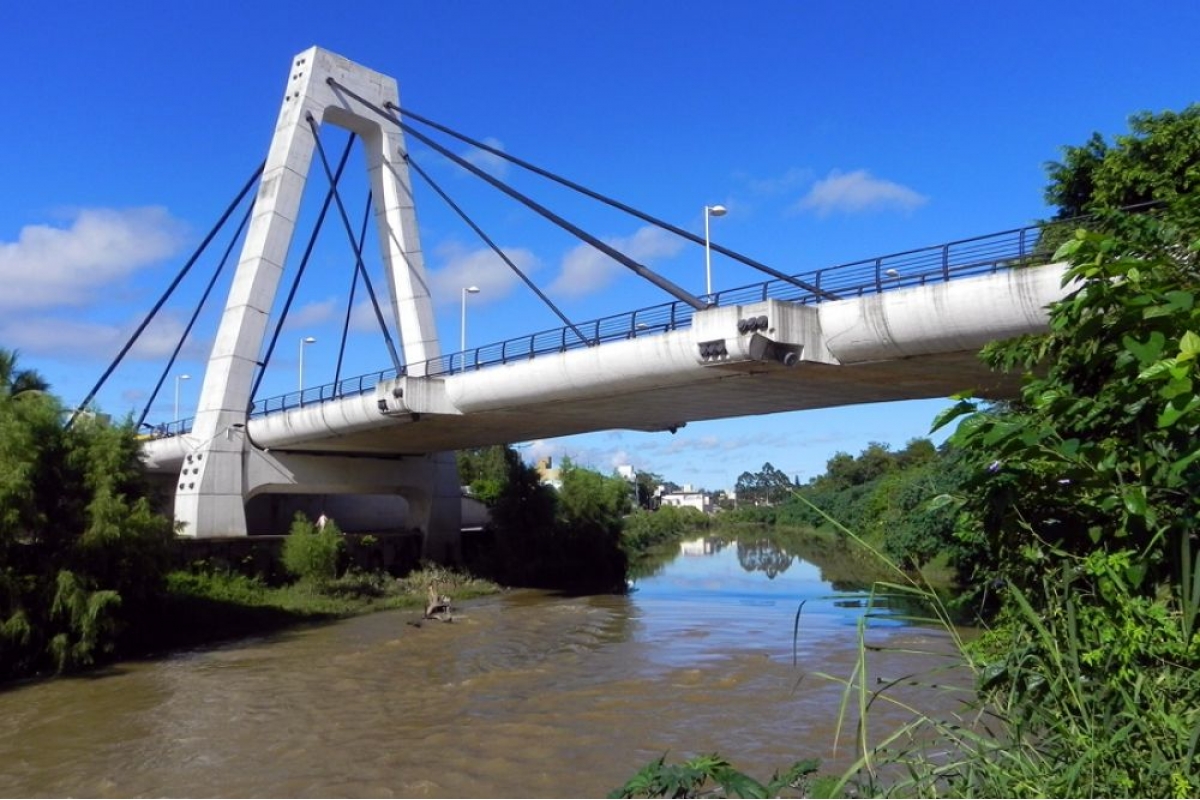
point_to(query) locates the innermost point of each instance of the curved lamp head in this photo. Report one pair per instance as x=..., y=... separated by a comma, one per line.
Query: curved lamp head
x=716, y=211
x=471, y=289
x=309, y=339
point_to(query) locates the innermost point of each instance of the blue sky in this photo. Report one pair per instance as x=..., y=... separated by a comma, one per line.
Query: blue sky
x=832, y=131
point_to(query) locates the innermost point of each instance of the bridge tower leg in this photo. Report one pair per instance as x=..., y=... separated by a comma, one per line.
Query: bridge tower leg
x=214, y=483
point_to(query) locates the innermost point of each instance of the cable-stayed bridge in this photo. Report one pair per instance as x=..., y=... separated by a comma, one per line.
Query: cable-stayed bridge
x=898, y=327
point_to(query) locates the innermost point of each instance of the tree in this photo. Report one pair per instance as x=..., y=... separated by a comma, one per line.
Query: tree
x=1158, y=162
x=15, y=381
x=484, y=471
x=588, y=498
x=568, y=540
x=82, y=556
x=1098, y=455
x=768, y=485
x=646, y=486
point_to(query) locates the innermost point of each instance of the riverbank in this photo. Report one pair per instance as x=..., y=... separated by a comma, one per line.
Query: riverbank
x=526, y=694
x=203, y=608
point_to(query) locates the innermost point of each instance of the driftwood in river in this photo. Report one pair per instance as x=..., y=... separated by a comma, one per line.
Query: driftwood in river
x=437, y=606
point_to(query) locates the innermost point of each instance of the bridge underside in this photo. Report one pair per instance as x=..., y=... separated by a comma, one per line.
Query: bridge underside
x=912, y=344
x=721, y=393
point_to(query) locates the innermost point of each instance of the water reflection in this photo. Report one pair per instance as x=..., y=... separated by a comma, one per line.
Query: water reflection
x=703, y=546
x=762, y=555
x=526, y=695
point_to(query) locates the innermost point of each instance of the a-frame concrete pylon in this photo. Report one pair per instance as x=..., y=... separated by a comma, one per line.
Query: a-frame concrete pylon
x=214, y=484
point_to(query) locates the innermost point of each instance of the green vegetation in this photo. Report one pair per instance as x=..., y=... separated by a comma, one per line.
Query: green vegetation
x=567, y=539
x=82, y=557
x=887, y=498
x=645, y=530
x=203, y=605
x=765, y=486
x=1075, y=512
x=311, y=553
x=703, y=775
x=86, y=566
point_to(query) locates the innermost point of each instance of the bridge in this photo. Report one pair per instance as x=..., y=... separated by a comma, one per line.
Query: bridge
x=897, y=327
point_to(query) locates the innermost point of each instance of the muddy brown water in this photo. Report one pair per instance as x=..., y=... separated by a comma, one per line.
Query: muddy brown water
x=523, y=695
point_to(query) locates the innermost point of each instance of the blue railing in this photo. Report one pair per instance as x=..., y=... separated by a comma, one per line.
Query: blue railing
x=959, y=259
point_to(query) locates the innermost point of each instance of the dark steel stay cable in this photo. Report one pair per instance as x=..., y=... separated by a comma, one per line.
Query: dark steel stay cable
x=487, y=240
x=387, y=336
x=638, y=269
x=167, y=294
x=196, y=314
x=362, y=236
x=616, y=204
x=308, y=248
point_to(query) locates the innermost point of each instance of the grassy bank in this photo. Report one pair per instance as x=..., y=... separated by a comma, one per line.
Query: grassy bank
x=206, y=607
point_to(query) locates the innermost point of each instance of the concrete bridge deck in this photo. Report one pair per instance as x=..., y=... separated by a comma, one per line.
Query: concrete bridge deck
x=910, y=343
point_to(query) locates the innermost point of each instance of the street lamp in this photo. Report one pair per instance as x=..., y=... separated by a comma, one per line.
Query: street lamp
x=304, y=341
x=466, y=291
x=179, y=378
x=709, y=211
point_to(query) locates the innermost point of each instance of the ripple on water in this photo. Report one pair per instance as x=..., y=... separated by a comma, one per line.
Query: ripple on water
x=525, y=694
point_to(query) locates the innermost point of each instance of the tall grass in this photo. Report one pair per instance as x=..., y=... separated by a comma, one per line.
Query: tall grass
x=1093, y=693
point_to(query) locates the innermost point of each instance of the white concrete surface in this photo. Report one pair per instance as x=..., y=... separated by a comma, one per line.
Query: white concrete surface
x=223, y=471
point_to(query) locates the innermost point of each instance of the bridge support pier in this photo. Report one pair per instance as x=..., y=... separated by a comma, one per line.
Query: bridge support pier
x=329, y=483
x=224, y=470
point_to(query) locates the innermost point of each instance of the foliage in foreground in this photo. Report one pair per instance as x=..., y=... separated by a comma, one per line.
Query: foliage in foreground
x=82, y=556
x=704, y=774
x=1084, y=509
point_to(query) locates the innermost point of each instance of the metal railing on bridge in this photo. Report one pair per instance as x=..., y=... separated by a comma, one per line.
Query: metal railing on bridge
x=963, y=258
x=941, y=263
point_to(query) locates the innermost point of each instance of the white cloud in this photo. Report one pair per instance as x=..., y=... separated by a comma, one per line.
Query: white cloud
x=777, y=184
x=461, y=266
x=488, y=162
x=362, y=316
x=51, y=267
x=313, y=314
x=585, y=269
x=76, y=339
x=853, y=192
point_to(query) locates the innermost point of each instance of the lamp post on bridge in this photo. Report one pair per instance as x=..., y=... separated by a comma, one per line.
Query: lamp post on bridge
x=709, y=211
x=466, y=291
x=304, y=341
x=179, y=378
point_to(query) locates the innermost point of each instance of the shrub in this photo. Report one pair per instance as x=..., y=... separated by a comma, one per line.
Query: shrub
x=312, y=554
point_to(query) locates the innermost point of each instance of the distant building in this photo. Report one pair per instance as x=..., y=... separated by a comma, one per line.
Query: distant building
x=548, y=473
x=686, y=496
x=627, y=472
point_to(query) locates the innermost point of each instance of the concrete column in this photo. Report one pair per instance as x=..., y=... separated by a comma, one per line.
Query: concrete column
x=213, y=486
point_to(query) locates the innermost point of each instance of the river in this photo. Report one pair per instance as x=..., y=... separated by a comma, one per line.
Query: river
x=525, y=694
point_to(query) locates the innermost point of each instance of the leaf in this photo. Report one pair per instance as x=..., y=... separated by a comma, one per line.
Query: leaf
x=1147, y=352
x=992, y=675
x=739, y=784
x=1135, y=499
x=943, y=500
x=1189, y=344
x=955, y=411
x=1177, y=408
